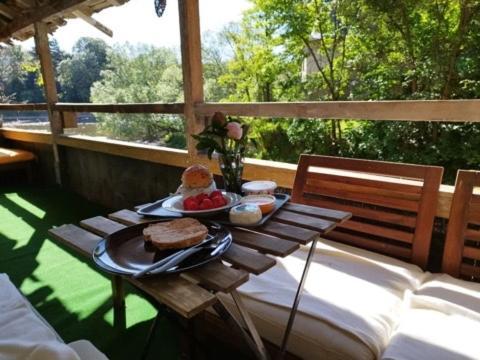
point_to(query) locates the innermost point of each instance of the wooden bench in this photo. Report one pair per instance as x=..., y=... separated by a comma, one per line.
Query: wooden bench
x=14, y=159
x=462, y=245
x=393, y=205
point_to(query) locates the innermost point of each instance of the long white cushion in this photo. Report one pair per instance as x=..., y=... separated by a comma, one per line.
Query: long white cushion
x=442, y=322
x=355, y=293
x=25, y=335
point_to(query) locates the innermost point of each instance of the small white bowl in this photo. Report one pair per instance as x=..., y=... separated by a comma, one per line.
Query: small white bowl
x=259, y=187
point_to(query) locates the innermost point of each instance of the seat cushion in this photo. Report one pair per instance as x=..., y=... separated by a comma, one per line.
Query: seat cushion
x=442, y=322
x=357, y=293
x=24, y=334
x=10, y=156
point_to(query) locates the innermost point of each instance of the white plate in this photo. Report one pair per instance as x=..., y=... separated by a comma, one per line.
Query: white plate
x=175, y=204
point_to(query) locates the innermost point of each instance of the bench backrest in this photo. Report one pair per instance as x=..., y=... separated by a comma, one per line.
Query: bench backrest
x=461, y=257
x=393, y=205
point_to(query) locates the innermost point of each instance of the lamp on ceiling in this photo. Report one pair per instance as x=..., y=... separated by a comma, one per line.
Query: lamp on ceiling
x=160, y=6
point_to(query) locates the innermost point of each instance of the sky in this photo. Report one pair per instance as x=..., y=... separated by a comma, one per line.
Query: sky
x=136, y=22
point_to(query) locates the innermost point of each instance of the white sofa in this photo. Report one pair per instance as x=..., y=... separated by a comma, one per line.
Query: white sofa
x=24, y=334
x=361, y=305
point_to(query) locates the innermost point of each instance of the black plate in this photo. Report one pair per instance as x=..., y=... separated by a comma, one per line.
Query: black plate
x=155, y=210
x=124, y=252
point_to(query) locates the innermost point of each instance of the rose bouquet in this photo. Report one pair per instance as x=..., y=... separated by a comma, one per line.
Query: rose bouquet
x=228, y=139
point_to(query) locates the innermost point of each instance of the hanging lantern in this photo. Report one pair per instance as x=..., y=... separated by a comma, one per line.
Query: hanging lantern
x=160, y=7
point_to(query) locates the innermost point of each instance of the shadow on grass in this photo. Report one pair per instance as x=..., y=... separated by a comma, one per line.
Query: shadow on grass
x=19, y=259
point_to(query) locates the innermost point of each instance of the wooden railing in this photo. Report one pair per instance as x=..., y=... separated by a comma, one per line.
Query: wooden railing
x=282, y=173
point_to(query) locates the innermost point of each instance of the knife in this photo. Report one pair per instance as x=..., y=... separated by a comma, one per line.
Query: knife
x=171, y=258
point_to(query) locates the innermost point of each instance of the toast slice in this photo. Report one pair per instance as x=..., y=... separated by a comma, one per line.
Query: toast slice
x=175, y=234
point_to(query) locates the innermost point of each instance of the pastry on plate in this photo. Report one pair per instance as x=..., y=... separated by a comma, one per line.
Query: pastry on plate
x=196, y=179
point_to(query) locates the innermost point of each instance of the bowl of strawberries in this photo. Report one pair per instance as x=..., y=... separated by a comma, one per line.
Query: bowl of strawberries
x=202, y=204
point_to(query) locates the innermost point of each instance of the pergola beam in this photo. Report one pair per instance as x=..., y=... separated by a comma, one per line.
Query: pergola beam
x=39, y=14
x=50, y=88
x=192, y=68
x=95, y=23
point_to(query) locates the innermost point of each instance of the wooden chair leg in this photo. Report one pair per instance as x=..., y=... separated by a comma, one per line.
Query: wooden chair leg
x=119, y=318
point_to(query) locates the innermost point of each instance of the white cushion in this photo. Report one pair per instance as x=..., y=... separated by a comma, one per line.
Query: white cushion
x=442, y=322
x=355, y=292
x=24, y=334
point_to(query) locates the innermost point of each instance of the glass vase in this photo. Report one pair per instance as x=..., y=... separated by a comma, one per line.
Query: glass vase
x=231, y=166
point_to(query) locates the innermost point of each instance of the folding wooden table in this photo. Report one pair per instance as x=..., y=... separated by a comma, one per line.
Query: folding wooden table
x=191, y=292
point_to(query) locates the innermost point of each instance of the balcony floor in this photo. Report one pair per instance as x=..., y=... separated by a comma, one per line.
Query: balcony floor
x=68, y=292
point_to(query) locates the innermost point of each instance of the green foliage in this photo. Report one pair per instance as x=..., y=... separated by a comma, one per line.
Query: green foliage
x=78, y=72
x=140, y=75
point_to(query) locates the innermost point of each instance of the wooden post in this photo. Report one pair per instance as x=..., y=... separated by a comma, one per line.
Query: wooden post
x=192, y=69
x=50, y=88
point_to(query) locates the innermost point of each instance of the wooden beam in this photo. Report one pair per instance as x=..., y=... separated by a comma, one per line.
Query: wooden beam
x=192, y=68
x=50, y=88
x=41, y=13
x=95, y=23
x=6, y=11
x=23, y=107
x=417, y=110
x=175, y=108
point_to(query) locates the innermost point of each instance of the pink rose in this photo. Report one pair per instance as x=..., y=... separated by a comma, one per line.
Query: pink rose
x=235, y=130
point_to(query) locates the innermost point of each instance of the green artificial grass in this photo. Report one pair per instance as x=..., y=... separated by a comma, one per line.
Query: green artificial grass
x=69, y=291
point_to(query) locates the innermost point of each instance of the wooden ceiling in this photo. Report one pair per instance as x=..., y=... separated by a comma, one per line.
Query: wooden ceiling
x=18, y=16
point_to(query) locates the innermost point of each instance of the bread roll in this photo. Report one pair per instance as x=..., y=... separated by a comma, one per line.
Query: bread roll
x=197, y=176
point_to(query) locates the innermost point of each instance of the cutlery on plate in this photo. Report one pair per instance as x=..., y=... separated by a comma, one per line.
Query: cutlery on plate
x=171, y=258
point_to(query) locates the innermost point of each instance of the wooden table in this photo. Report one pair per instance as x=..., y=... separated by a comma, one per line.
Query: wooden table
x=193, y=291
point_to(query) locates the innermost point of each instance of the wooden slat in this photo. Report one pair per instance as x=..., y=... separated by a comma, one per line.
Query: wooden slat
x=264, y=243
x=327, y=214
x=376, y=230
x=101, y=226
x=127, y=217
x=181, y=295
x=76, y=238
x=365, y=212
x=248, y=260
x=390, y=188
x=373, y=199
x=474, y=213
x=472, y=234
x=288, y=232
x=470, y=270
x=184, y=297
x=217, y=276
x=308, y=222
x=370, y=244
x=471, y=252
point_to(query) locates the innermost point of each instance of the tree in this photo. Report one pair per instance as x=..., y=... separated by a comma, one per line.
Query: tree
x=126, y=80
x=77, y=73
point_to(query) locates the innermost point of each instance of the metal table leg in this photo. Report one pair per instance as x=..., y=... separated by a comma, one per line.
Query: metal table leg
x=296, y=301
x=252, y=338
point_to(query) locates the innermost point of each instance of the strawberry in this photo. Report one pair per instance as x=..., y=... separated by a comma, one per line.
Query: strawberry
x=201, y=197
x=190, y=204
x=206, y=204
x=215, y=193
x=218, y=201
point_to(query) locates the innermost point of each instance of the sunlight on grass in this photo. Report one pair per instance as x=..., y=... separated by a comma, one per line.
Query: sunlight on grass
x=25, y=205
x=139, y=310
